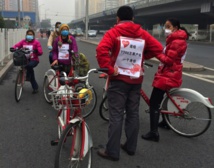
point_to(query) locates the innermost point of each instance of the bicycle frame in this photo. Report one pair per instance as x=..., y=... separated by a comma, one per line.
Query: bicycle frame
x=179, y=99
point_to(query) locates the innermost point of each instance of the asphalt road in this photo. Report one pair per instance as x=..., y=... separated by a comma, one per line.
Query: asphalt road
x=28, y=127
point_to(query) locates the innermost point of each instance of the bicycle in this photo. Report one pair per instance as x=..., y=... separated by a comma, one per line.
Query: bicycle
x=75, y=144
x=186, y=111
x=20, y=59
x=51, y=83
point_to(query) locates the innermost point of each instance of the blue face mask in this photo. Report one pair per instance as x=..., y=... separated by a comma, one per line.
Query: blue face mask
x=29, y=37
x=64, y=32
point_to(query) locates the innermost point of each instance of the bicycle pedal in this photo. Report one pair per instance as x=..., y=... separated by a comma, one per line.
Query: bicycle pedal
x=54, y=142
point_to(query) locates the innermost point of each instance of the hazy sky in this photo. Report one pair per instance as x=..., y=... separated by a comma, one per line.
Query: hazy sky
x=57, y=10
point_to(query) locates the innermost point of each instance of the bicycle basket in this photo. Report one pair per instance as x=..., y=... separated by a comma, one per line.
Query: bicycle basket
x=19, y=58
x=67, y=99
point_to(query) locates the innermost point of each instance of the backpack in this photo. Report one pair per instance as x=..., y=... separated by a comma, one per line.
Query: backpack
x=82, y=65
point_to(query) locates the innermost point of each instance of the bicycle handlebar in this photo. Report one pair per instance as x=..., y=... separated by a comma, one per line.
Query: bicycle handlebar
x=24, y=50
x=65, y=78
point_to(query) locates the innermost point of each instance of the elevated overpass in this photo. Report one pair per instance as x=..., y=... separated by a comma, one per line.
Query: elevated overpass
x=150, y=12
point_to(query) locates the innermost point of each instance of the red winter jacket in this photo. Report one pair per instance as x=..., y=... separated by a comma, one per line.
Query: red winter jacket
x=169, y=74
x=109, y=47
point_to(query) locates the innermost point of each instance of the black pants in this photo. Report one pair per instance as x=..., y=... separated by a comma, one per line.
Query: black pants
x=156, y=98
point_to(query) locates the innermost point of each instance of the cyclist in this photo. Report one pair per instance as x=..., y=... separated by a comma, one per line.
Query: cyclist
x=169, y=74
x=51, y=39
x=63, y=47
x=35, y=51
x=121, y=50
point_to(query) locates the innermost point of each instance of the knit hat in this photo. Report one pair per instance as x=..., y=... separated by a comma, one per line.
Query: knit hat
x=63, y=25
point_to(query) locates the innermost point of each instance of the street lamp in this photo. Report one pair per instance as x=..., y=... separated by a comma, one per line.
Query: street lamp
x=45, y=13
x=86, y=20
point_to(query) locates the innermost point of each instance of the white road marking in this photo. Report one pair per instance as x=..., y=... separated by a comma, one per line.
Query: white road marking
x=203, y=79
x=204, y=76
x=209, y=68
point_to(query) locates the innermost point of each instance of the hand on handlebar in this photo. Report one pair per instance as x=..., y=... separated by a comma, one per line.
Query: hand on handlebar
x=12, y=49
x=50, y=48
x=54, y=63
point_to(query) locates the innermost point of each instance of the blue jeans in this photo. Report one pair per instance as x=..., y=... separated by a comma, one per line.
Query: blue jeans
x=30, y=73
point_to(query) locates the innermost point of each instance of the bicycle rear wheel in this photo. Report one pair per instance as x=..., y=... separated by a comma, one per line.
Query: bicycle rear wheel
x=194, y=122
x=104, y=113
x=19, y=85
x=88, y=110
x=68, y=150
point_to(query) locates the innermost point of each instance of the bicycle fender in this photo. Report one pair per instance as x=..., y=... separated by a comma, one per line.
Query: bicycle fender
x=88, y=140
x=184, y=96
x=49, y=72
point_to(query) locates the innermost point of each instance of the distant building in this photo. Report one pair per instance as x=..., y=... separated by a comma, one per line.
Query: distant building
x=10, y=5
x=79, y=9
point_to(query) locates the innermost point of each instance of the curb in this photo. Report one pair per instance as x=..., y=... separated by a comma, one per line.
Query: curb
x=187, y=66
x=5, y=69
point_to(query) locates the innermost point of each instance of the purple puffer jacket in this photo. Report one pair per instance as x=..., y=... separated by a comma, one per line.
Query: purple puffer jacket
x=72, y=46
x=36, y=46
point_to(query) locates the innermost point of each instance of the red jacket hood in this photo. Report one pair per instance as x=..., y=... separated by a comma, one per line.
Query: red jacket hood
x=129, y=29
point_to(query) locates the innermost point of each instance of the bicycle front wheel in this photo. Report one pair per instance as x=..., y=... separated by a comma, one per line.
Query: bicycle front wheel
x=69, y=147
x=49, y=85
x=194, y=122
x=104, y=113
x=88, y=110
x=19, y=85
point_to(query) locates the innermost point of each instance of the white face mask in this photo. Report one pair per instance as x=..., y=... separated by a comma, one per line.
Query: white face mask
x=167, y=32
x=57, y=29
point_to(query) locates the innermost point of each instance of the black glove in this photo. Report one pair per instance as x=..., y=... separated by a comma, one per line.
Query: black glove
x=12, y=49
x=35, y=51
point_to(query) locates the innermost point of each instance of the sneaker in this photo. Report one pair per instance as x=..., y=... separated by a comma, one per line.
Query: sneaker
x=103, y=75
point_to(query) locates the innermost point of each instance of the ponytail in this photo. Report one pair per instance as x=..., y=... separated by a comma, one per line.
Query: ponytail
x=184, y=29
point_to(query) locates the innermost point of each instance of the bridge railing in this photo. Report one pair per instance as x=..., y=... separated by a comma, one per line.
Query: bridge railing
x=9, y=37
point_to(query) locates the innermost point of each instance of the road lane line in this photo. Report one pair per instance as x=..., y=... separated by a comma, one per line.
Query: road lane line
x=203, y=79
x=209, y=68
x=204, y=76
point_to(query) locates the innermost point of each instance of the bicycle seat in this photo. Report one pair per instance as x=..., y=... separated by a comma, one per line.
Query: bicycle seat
x=57, y=67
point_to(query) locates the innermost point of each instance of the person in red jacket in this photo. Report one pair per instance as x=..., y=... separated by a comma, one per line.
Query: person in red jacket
x=35, y=48
x=169, y=74
x=122, y=50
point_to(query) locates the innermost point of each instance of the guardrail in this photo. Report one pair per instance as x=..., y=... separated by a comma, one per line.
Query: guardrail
x=9, y=37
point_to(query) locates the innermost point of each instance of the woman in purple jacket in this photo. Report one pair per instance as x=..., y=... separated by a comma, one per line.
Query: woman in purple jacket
x=62, y=47
x=36, y=50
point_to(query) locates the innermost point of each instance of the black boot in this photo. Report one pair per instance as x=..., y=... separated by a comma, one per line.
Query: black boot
x=153, y=135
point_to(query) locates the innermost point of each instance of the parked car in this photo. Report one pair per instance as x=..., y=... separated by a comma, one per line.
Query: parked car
x=198, y=35
x=92, y=33
x=79, y=32
x=73, y=32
